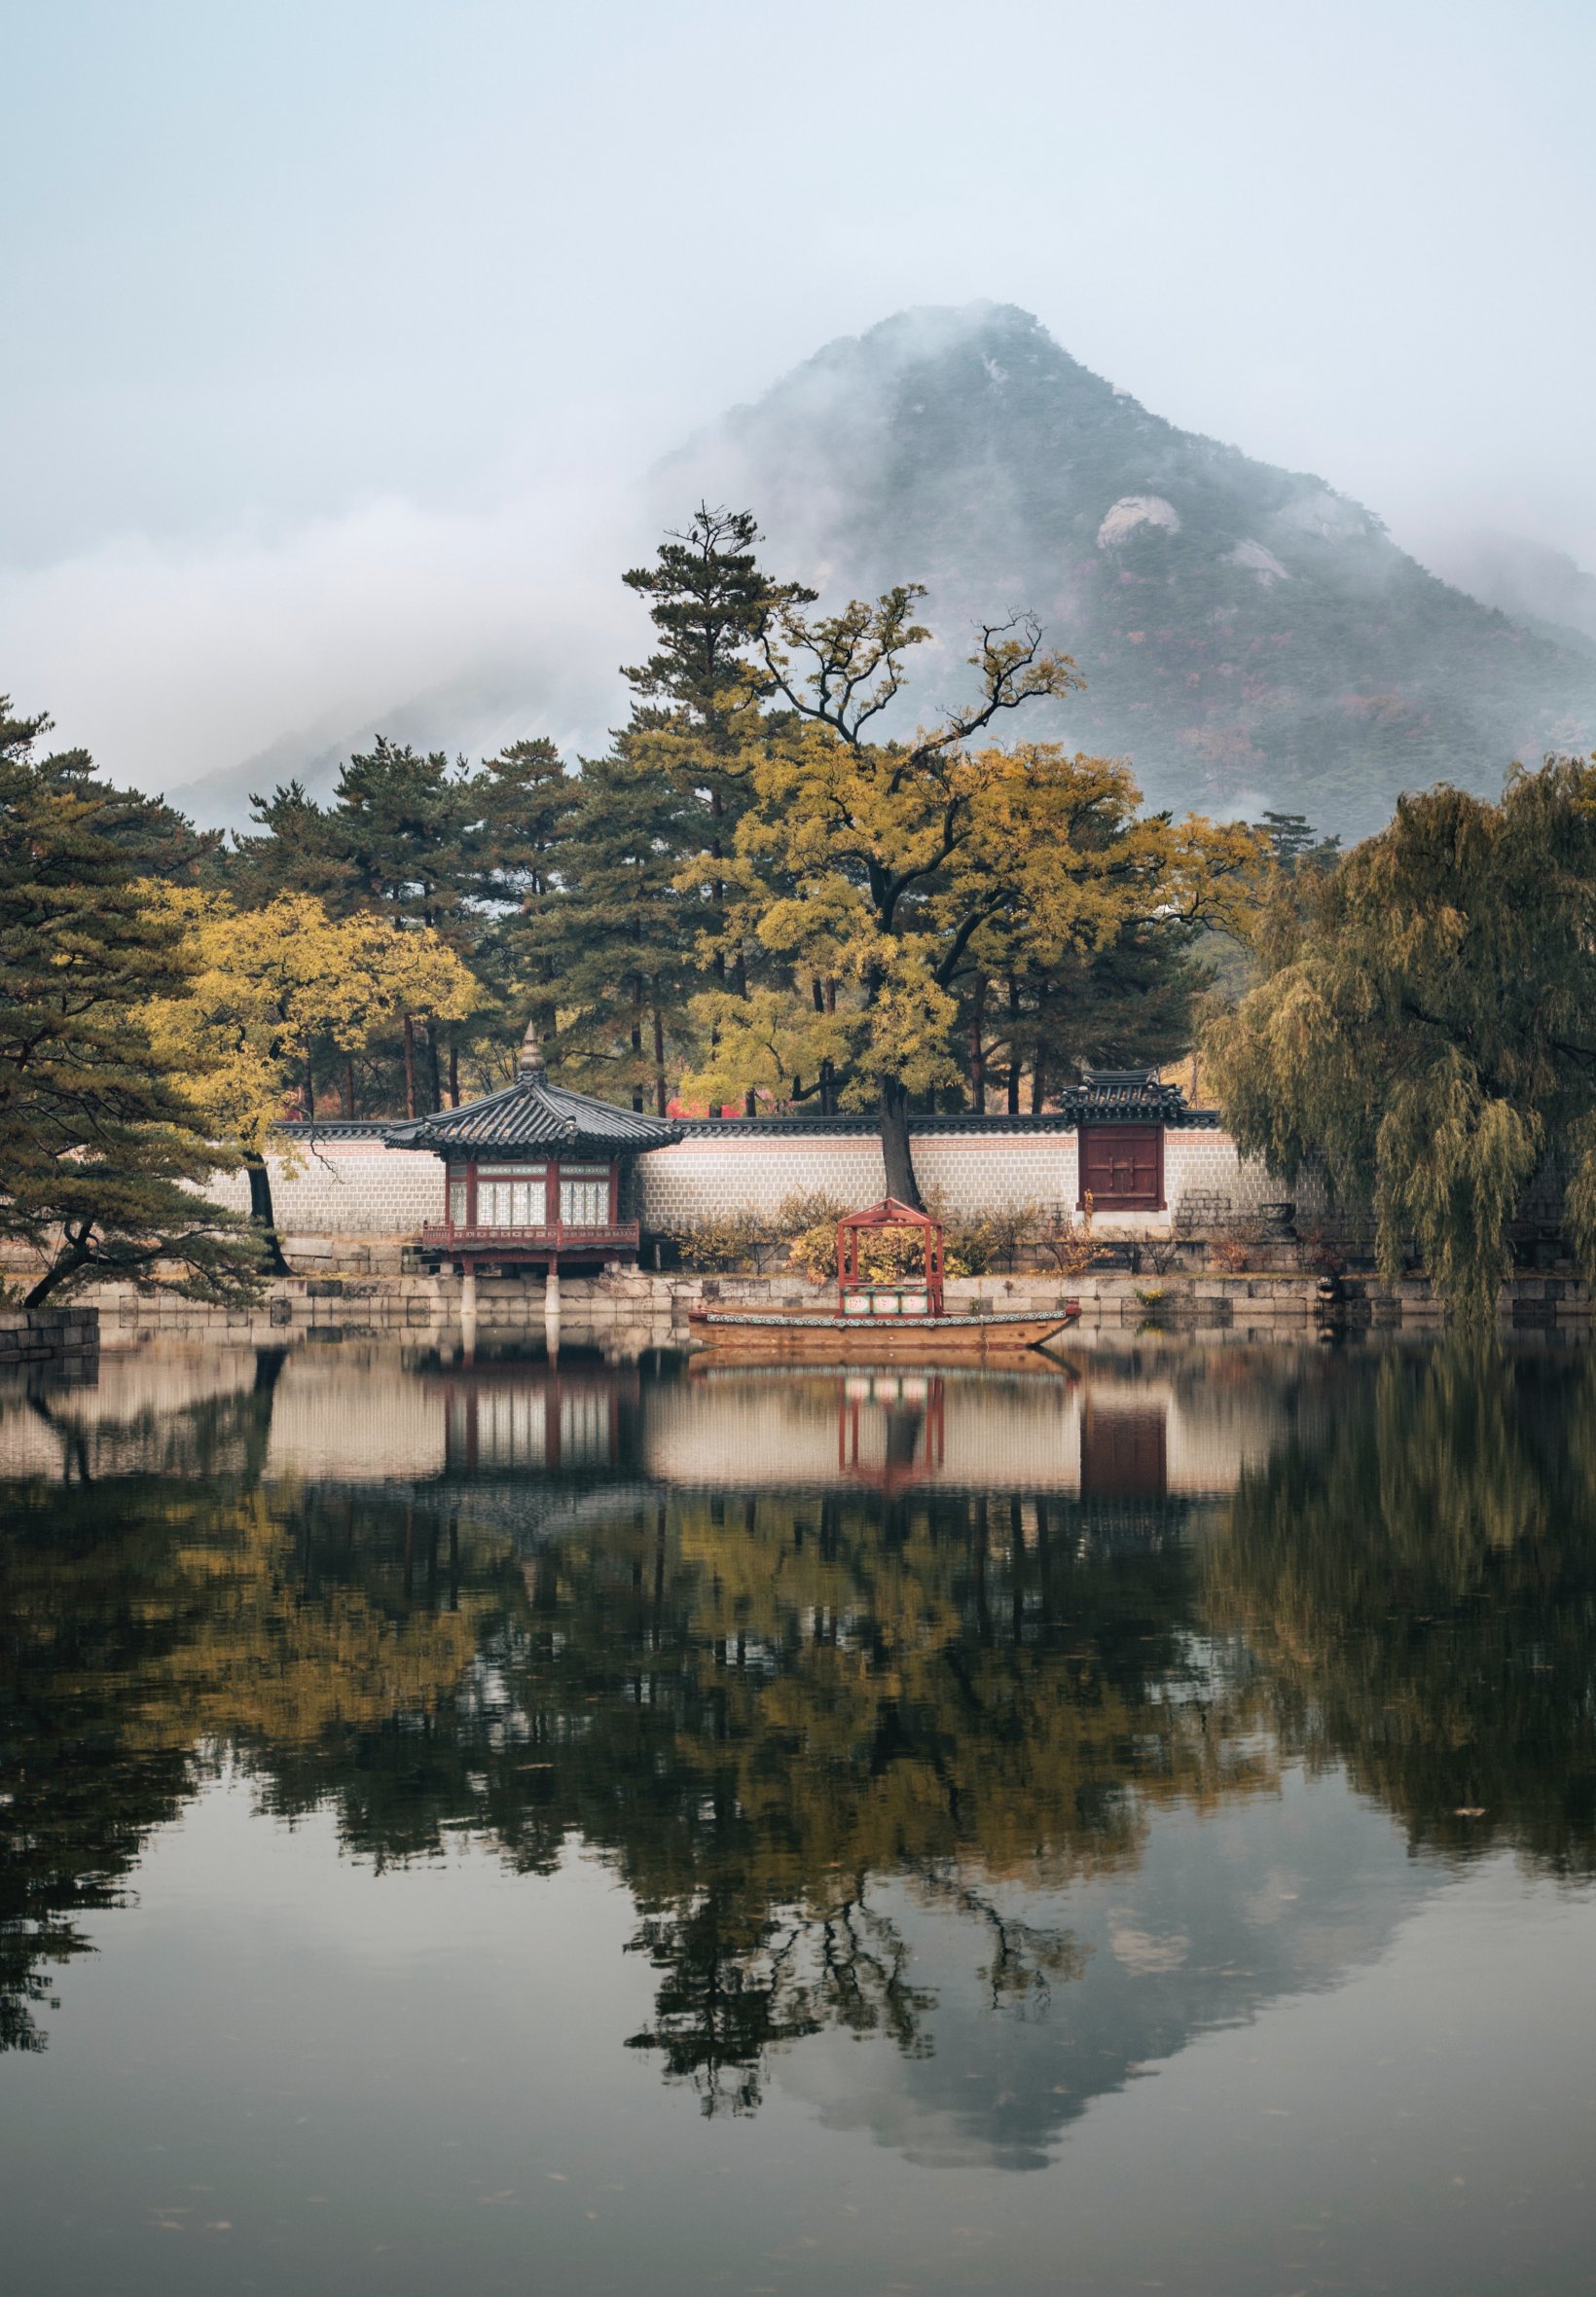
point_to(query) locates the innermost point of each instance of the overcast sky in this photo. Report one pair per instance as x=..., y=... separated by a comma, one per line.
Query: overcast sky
x=340, y=331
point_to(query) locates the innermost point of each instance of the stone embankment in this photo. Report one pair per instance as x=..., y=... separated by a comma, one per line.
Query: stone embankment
x=655, y=1307
x=48, y=1335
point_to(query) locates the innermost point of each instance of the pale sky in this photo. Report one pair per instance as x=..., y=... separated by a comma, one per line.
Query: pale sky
x=342, y=332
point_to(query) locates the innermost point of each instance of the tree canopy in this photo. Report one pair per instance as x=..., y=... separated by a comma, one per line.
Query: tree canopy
x=763, y=892
x=1423, y=1025
x=902, y=869
x=102, y=1151
x=264, y=988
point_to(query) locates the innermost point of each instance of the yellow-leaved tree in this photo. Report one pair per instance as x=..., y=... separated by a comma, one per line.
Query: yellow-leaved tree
x=882, y=870
x=267, y=984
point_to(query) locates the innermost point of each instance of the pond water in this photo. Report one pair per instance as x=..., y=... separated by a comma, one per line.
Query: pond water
x=1125, y=1823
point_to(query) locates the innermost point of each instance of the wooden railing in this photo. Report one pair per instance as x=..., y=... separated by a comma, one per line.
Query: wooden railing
x=551, y=1237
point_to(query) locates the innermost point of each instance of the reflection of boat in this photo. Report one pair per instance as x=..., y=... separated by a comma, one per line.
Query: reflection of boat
x=831, y=1339
x=880, y=1311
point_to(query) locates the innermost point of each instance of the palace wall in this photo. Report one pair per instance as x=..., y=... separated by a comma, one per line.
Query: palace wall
x=350, y=1184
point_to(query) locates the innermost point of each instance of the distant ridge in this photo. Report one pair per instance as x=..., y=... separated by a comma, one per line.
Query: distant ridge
x=1248, y=634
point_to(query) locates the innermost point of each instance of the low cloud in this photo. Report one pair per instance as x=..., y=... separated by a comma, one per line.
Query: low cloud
x=192, y=667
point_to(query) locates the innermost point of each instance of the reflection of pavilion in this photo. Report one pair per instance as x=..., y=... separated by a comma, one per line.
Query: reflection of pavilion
x=1133, y=1446
x=891, y=1427
x=509, y=1418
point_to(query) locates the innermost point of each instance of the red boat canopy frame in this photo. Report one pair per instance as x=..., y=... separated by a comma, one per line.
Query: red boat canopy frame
x=891, y=1213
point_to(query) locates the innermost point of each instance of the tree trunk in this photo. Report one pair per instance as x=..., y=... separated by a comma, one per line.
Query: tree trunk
x=348, y=1090
x=1037, y=1088
x=1013, y=1047
x=637, y=1041
x=435, y=1070
x=309, y=1097
x=263, y=1215
x=66, y=1265
x=894, y=1145
x=453, y=1067
x=828, y=1075
x=978, y=1054
x=660, y=1095
x=409, y=1065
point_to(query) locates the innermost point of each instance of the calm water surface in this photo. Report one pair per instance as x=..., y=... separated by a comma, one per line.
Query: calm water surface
x=581, y=1828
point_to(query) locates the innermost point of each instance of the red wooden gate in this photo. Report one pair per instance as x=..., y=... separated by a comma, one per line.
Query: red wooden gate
x=1122, y=1167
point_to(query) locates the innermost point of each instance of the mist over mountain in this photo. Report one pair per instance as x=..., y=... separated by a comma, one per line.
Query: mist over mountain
x=1537, y=585
x=1248, y=636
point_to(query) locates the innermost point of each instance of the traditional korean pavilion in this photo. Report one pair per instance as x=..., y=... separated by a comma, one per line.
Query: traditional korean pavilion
x=533, y=1176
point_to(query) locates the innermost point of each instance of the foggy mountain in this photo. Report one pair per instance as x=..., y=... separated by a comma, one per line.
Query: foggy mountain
x=1248, y=634
x=1538, y=585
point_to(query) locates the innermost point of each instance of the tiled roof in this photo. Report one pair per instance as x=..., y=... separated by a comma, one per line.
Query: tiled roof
x=1105, y=1096
x=1125, y=1093
x=533, y=1114
x=1076, y=1110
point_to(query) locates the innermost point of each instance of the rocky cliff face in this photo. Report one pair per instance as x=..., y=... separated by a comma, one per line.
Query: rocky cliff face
x=1248, y=634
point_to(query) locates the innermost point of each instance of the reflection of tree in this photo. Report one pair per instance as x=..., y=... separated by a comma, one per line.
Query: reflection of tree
x=772, y=1714
x=1417, y=1575
x=762, y=1710
x=151, y=1623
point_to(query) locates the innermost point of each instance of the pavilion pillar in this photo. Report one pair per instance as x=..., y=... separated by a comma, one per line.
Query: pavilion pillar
x=551, y=1308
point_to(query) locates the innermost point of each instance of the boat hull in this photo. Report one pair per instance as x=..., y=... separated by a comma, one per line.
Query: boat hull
x=837, y=1338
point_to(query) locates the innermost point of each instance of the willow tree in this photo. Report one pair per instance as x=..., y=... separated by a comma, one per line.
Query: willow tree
x=886, y=867
x=1426, y=1025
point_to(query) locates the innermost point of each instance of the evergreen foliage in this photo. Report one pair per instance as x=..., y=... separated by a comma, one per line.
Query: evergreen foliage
x=102, y=1150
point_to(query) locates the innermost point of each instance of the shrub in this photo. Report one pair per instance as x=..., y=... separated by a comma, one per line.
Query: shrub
x=739, y=1242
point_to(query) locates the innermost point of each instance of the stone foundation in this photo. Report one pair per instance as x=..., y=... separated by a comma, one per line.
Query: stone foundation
x=48, y=1335
x=631, y=1308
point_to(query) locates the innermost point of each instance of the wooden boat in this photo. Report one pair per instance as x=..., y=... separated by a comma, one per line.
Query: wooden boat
x=880, y=1318
x=835, y=1339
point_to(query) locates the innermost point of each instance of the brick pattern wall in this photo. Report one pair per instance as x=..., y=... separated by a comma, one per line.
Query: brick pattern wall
x=361, y=1189
x=1205, y=1165
x=347, y=1188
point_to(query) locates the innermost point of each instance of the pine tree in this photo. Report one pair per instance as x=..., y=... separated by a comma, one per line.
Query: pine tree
x=102, y=1150
x=612, y=940
x=696, y=718
x=524, y=804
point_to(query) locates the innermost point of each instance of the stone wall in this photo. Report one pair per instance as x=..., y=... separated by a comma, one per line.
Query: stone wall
x=43, y=1336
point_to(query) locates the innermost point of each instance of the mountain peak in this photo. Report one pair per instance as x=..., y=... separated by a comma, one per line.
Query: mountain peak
x=1248, y=634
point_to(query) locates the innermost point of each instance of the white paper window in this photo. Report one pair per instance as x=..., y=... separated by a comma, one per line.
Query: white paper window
x=457, y=1204
x=584, y=1203
x=509, y=1196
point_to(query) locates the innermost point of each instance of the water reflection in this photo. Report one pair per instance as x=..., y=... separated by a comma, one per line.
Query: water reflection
x=975, y=1713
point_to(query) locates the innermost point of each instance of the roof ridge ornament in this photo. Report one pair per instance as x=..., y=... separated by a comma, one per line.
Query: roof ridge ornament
x=531, y=1066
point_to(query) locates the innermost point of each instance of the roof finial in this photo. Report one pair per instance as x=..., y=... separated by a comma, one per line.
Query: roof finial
x=529, y=1061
